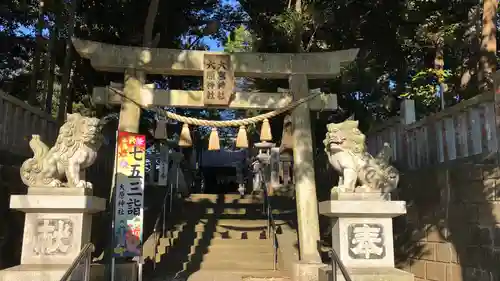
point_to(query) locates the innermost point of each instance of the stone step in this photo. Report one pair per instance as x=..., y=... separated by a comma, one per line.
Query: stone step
x=226, y=229
x=223, y=275
x=214, y=264
x=236, y=222
x=220, y=233
x=240, y=274
x=230, y=250
x=259, y=264
x=277, y=201
x=231, y=211
x=171, y=242
x=220, y=254
x=223, y=226
x=214, y=245
x=224, y=198
x=231, y=214
x=248, y=215
x=237, y=210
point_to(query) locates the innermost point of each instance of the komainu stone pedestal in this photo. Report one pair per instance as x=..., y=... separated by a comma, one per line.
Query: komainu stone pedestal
x=57, y=226
x=363, y=238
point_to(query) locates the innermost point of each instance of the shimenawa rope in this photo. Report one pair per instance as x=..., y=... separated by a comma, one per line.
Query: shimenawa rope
x=226, y=123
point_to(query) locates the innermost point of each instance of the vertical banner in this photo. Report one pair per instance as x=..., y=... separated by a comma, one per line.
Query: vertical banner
x=218, y=79
x=129, y=194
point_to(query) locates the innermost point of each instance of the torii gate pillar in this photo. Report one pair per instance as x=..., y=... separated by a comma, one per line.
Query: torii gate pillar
x=303, y=173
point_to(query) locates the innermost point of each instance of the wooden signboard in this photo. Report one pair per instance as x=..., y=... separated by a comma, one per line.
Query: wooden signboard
x=218, y=79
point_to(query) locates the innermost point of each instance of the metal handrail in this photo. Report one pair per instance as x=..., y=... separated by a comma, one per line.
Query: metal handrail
x=336, y=262
x=85, y=253
x=271, y=227
x=271, y=223
x=168, y=196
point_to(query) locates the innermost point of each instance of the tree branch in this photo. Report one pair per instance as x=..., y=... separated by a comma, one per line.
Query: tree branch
x=311, y=39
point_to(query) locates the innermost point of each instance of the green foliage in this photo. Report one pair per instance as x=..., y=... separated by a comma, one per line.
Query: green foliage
x=397, y=42
x=424, y=87
x=290, y=22
x=239, y=40
x=176, y=22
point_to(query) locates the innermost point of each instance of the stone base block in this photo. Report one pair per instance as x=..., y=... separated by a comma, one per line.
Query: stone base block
x=124, y=272
x=362, y=232
x=39, y=203
x=364, y=274
x=54, y=238
x=67, y=191
x=362, y=209
x=306, y=271
x=56, y=226
x=33, y=273
x=354, y=196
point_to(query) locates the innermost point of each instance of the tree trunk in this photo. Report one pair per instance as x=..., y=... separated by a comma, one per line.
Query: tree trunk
x=147, y=40
x=36, y=59
x=66, y=72
x=299, y=29
x=470, y=63
x=71, y=96
x=130, y=112
x=50, y=69
x=488, y=45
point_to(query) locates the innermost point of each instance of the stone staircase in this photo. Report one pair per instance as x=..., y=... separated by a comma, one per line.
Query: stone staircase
x=215, y=237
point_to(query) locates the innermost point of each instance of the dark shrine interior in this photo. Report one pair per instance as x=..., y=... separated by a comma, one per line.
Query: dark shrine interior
x=220, y=180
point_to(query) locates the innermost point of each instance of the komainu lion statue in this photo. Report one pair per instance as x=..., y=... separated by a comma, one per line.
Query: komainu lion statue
x=75, y=150
x=358, y=170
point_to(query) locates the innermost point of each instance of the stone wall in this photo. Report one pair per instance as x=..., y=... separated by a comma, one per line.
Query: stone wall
x=452, y=230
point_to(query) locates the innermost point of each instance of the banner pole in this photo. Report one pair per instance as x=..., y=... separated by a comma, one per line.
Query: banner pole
x=113, y=266
x=112, y=203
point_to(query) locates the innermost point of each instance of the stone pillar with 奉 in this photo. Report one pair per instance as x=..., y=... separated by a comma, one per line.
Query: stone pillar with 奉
x=361, y=208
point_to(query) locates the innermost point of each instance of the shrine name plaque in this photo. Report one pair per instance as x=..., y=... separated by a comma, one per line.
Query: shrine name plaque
x=218, y=79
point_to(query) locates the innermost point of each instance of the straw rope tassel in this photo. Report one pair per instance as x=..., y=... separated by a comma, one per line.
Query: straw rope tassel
x=265, y=131
x=213, y=140
x=185, y=137
x=242, y=139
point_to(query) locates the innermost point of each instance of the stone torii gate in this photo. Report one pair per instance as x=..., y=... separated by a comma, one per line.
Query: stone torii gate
x=298, y=68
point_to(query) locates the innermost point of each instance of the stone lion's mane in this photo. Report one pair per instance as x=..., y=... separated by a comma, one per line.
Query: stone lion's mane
x=72, y=135
x=374, y=172
x=346, y=135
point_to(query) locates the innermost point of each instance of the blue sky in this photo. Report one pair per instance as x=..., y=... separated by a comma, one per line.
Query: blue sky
x=212, y=44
